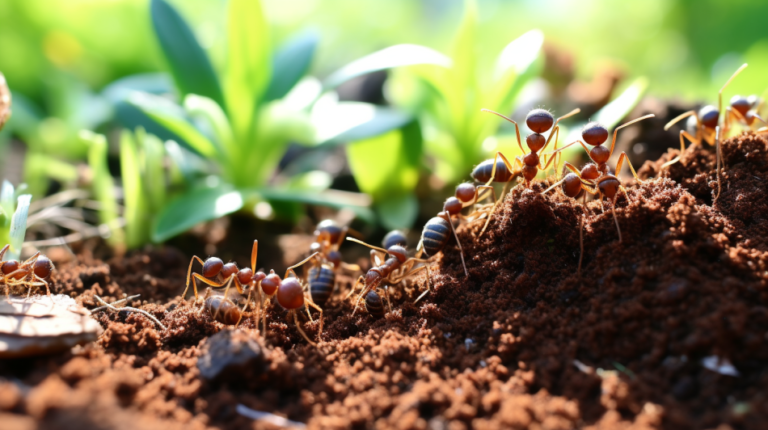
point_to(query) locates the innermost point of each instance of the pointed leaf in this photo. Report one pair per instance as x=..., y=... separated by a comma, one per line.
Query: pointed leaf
x=103, y=185
x=193, y=207
x=136, y=223
x=336, y=199
x=172, y=118
x=387, y=58
x=199, y=106
x=464, y=50
x=191, y=69
x=18, y=227
x=290, y=64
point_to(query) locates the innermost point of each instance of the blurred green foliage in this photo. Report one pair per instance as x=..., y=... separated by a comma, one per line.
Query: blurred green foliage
x=14, y=209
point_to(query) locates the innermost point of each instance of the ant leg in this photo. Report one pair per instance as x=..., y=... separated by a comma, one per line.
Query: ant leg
x=493, y=209
x=718, y=148
x=298, y=326
x=349, y=267
x=3, y=251
x=615, y=218
x=461, y=251
x=299, y=264
x=311, y=303
x=680, y=118
x=189, y=273
x=37, y=278
x=254, y=254
x=623, y=157
x=386, y=294
x=683, y=135
x=429, y=287
x=359, y=281
x=202, y=305
x=382, y=250
x=517, y=129
x=728, y=82
x=626, y=124
x=232, y=277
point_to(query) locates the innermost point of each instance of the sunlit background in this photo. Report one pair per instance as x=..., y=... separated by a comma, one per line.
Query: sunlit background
x=59, y=56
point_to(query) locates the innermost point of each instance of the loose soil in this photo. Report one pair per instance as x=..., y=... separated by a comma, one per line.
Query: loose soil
x=524, y=342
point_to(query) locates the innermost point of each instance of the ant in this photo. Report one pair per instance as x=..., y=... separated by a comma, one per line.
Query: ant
x=374, y=305
x=529, y=163
x=34, y=272
x=596, y=177
x=703, y=125
x=392, y=271
x=744, y=110
x=322, y=277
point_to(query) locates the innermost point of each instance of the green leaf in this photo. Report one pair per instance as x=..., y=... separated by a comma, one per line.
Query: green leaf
x=463, y=52
x=336, y=199
x=291, y=62
x=199, y=106
x=193, y=207
x=154, y=173
x=135, y=213
x=172, y=118
x=367, y=121
x=387, y=166
x=387, y=58
x=248, y=63
x=190, y=67
x=103, y=185
x=18, y=227
x=398, y=212
x=7, y=203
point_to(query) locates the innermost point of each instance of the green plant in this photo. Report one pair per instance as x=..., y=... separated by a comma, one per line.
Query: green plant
x=242, y=125
x=14, y=209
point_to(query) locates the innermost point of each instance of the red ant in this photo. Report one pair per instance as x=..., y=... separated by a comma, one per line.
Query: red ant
x=704, y=124
x=529, y=163
x=34, y=272
x=596, y=178
x=270, y=285
x=392, y=271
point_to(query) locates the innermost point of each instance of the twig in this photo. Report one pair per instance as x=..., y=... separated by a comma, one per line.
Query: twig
x=128, y=308
x=273, y=419
x=101, y=308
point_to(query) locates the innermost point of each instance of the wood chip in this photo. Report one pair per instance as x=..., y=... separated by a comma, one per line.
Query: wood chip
x=43, y=325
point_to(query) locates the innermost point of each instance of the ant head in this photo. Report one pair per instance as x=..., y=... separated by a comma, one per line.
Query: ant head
x=229, y=269
x=43, y=267
x=398, y=252
x=9, y=266
x=212, y=267
x=590, y=172
x=290, y=294
x=328, y=230
x=708, y=115
x=271, y=283
x=571, y=185
x=740, y=104
x=609, y=187
x=594, y=133
x=394, y=237
x=452, y=206
x=465, y=192
x=335, y=258
x=245, y=276
x=535, y=142
x=539, y=120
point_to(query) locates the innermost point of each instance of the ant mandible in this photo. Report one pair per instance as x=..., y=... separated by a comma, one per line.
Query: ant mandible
x=597, y=178
x=34, y=272
x=392, y=271
x=529, y=163
x=705, y=125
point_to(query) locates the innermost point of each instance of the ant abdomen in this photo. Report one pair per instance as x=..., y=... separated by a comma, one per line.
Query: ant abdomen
x=223, y=310
x=435, y=235
x=374, y=305
x=482, y=172
x=321, y=282
x=571, y=185
x=394, y=237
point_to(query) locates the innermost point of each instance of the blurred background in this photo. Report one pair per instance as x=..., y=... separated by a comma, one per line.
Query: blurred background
x=63, y=58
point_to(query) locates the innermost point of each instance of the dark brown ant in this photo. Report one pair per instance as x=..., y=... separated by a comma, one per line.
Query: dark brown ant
x=394, y=237
x=528, y=164
x=223, y=310
x=704, y=125
x=392, y=271
x=374, y=305
x=596, y=178
x=34, y=272
x=322, y=276
x=435, y=235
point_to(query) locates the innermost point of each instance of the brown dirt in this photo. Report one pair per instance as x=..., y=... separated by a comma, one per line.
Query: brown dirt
x=524, y=342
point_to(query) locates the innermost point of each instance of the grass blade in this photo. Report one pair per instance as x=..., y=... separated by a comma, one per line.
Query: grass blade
x=136, y=223
x=194, y=207
x=191, y=69
x=103, y=186
x=18, y=227
x=248, y=63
